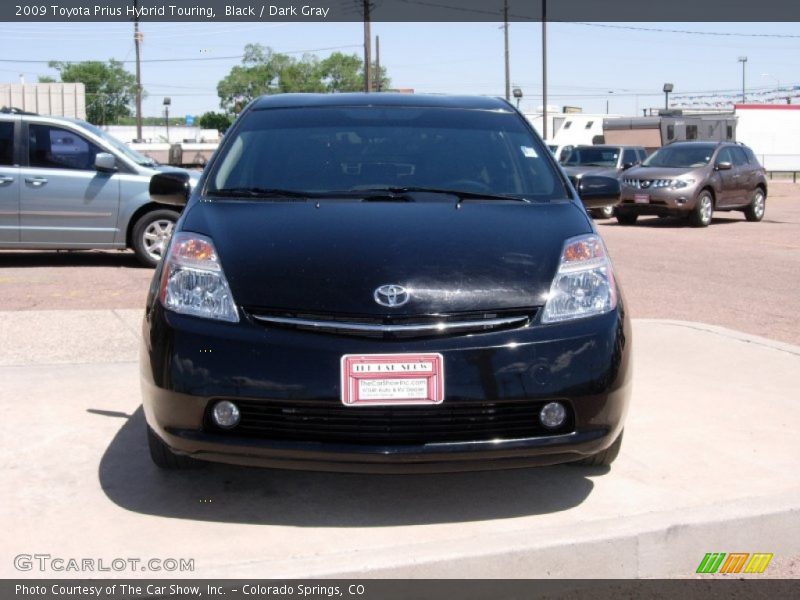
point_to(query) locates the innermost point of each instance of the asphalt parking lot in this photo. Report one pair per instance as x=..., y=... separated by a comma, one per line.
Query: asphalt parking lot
x=734, y=274
x=709, y=461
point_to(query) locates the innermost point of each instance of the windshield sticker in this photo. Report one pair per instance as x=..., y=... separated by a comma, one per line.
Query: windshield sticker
x=528, y=152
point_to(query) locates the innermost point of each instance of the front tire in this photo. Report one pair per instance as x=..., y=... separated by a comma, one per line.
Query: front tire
x=151, y=235
x=703, y=210
x=163, y=457
x=603, y=458
x=603, y=213
x=625, y=218
x=755, y=212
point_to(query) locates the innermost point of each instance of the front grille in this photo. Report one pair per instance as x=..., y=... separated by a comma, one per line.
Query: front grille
x=332, y=422
x=389, y=327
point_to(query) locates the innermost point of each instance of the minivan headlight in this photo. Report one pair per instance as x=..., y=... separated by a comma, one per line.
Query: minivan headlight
x=584, y=283
x=193, y=282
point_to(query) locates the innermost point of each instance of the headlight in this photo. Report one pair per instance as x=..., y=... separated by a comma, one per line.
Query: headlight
x=682, y=183
x=584, y=284
x=193, y=282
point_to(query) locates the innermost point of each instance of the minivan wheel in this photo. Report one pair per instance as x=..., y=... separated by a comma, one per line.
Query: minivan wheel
x=163, y=457
x=755, y=212
x=603, y=458
x=151, y=235
x=704, y=208
x=624, y=218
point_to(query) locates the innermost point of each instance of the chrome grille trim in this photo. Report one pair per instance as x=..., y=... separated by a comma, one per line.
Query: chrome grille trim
x=442, y=327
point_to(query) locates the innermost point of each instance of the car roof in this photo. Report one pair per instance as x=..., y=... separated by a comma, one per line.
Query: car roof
x=380, y=99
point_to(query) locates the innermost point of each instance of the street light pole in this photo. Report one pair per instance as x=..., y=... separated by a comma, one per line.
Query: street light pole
x=505, y=36
x=137, y=40
x=743, y=60
x=367, y=49
x=668, y=87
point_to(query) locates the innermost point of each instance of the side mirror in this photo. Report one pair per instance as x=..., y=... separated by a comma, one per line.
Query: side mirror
x=106, y=162
x=596, y=191
x=628, y=165
x=171, y=187
x=724, y=166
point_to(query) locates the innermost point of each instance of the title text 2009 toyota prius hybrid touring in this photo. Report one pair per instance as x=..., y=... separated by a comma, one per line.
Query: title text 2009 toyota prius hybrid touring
x=384, y=282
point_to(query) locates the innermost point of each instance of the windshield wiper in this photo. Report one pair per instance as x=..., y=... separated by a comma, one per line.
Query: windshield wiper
x=402, y=194
x=257, y=192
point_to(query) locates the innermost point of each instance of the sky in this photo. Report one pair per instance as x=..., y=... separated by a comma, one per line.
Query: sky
x=621, y=67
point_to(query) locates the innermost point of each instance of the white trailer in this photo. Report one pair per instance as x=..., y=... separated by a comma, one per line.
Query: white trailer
x=772, y=131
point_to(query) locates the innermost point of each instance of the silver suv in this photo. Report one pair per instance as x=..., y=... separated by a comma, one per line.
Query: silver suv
x=693, y=179
x=65, y=184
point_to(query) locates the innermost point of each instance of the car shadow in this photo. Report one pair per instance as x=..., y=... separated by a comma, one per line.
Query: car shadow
x=232, y=494
x=667, y=222
x=69, y=258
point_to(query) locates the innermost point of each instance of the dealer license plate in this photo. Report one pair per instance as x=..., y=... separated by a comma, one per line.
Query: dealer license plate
x=641, y=198
x=392, y=379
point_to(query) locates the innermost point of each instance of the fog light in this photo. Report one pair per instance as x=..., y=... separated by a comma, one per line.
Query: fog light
x=553, y=415
x=226, y=414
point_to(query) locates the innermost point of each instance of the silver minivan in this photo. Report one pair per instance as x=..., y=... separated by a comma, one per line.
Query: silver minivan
x=67, y=185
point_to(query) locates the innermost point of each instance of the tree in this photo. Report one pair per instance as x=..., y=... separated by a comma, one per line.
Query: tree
x=110, y=89
x=46, y=79
x=266, y=72
x=214, y=120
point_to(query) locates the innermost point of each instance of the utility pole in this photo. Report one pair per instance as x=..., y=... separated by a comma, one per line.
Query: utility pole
x=505, y=35
x=377, y=63
x=137, y=40
x=544, y=69
x=743, y=60
x=367, y=52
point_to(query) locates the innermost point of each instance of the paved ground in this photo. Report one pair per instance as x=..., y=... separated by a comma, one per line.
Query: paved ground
x=735, y=274
x=709, y=464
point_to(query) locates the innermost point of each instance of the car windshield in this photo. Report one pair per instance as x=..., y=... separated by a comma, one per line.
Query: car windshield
x=592, y=156
x=139, y=159
x=680, y=156
x=353, y=149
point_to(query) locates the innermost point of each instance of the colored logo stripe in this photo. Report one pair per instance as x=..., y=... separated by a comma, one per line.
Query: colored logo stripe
x=713, y=562
x=710, y=562
x=758, y=562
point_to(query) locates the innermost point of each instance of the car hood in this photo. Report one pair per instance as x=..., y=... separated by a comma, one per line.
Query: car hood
x=580, y=171
x=330, y=257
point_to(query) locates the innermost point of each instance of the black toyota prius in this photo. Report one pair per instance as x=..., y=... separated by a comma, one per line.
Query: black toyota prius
x=388, y=283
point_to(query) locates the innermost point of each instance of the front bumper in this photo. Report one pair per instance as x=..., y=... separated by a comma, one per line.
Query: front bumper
x=661, y=201
x=187, y=363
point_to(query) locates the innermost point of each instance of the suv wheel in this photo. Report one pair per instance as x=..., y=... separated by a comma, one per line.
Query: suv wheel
x=704, y=208
x=151, y=235
x=626, y=218
x=603, y=213
x=755, y=212
x=603, y=458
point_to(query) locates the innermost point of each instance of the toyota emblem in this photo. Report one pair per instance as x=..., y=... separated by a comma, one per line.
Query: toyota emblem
x=391, y=295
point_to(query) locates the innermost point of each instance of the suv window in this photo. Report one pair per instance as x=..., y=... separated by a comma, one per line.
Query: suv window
x=7, y=144
x=642, y=154
x=691, y=156
x=57, y=148
x=629, y=157
x=724, y=155
x=593, y=156
x=739, y=157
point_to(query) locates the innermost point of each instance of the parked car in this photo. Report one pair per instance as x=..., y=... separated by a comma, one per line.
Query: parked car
x=604, y=160
x=693, y=179
x=384, y=282
x=68, y=185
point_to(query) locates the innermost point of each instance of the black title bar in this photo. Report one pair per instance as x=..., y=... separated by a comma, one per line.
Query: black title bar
x=399, y=10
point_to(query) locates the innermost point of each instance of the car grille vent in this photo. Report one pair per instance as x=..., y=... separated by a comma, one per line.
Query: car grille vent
x=331, y=422
x=403, y=327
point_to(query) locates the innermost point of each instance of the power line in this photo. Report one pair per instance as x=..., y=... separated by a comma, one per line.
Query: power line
x=185, y=59
x=685, y=31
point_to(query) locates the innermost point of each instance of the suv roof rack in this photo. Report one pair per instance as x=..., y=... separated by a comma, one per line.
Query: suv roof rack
x=12, y=110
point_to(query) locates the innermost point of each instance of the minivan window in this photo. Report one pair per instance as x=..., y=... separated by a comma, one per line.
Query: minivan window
x=357, y=148
x=6, y=144
x=57, y=148
x=681, y=156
